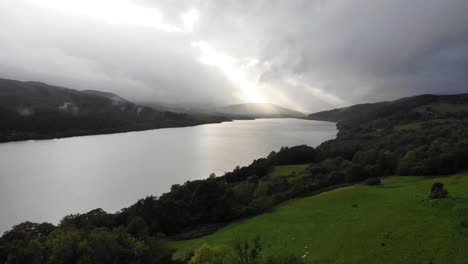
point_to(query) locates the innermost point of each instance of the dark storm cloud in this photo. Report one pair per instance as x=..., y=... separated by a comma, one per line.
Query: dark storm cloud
x=303, y=53
x=365, y=50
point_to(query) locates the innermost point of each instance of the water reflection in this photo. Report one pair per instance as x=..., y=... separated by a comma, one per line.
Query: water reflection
x=44, y=180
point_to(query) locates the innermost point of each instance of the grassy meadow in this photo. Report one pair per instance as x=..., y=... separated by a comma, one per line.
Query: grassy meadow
x=394, y=222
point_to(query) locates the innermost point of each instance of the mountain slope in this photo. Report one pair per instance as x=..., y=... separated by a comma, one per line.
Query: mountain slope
x=257, y=110
x=34, y=110
x=422, y=104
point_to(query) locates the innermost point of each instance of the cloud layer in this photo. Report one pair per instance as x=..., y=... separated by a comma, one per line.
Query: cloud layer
x=307, y=54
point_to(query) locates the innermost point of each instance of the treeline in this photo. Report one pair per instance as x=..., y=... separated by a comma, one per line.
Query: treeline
x=30, y=243
x=431, y=148
x=418, y=143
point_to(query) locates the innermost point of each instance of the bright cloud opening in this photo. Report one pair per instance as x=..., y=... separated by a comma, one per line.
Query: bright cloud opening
x=123, y=12
x=240, y=72
x=189, y=19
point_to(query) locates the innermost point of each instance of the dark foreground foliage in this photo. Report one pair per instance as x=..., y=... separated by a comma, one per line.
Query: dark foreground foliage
x=44, y=243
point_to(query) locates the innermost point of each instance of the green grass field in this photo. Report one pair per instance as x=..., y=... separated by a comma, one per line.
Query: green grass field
x=391, y=223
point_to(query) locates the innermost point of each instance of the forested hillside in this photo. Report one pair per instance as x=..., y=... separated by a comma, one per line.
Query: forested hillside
x=33, y=110
x=425, y=105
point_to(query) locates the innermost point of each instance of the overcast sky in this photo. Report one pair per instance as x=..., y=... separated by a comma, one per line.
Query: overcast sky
x=307, y=54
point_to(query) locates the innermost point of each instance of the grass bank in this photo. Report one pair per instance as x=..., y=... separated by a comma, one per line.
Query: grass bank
x=391, y=223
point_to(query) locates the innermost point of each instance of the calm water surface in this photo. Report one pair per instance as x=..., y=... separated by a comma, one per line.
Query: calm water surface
x=45, y=180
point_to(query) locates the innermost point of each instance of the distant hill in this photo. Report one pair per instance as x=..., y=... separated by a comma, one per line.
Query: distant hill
x=115, y=98
x=422, y=105
x=257, y=110
x=34, y=110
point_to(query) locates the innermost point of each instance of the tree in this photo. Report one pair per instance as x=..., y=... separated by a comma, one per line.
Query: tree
x=113, y=246
x=157, y=252
x=92, y=219
x=438, y=191
x=355, y=173
x=137, y=227
x=31, y=252
x=28, y=231
x=64, y=246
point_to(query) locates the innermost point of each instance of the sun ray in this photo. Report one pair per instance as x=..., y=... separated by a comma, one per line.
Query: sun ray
x=237, y=71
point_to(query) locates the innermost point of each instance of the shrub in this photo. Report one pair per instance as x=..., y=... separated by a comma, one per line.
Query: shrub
x=213, y=254
x=438, y=191
x=372, y=181
x=248, y=251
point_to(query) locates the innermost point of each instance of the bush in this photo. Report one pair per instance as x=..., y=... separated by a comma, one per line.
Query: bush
x=213, y=254
x=372, y=181
x=438, y=191
x=248, y=251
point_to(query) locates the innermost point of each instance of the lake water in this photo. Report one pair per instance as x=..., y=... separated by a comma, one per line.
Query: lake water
x=45, y=180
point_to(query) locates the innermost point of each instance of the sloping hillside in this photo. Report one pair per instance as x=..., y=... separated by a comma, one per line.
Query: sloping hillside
x=422, y=104
x=33, y=110
x=391, y=223
x=29, y=98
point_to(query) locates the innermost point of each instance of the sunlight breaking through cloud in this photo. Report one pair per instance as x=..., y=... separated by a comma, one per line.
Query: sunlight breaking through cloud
x=240, y=72
x=309, y=54
x=316, y=92
x=124, y=12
